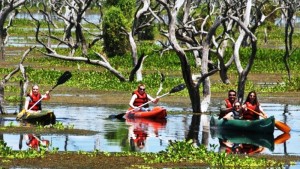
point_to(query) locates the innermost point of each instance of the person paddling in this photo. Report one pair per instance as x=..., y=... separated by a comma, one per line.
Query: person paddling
x=227, y=106
x=236, y=113
x=251, y=104
x=140, y=97
x=33, y=101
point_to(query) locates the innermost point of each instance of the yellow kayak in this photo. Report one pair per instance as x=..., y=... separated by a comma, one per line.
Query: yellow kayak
x=43, y=117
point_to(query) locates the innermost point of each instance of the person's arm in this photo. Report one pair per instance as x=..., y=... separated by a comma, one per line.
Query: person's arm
x=228, y=116
x=262, y=112
x=46, y=96
x=132, y=101
x=152, y=99
x=27, y=99
x=224, y=108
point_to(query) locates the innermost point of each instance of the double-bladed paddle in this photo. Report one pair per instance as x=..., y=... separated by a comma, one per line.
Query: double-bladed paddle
x=173, y=90
x=61, y=80
x=278, y=124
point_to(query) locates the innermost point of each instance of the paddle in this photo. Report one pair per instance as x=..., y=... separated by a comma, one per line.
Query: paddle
x=280, y=125
x=173, y=90
x=61, y=80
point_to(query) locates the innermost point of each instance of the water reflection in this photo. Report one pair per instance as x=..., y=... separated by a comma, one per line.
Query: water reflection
x=33, y=141
x=241, y=142
x=140, y=129
x=248, y=143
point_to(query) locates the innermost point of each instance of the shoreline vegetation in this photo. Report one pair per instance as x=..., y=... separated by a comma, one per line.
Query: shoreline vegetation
x=177, y=155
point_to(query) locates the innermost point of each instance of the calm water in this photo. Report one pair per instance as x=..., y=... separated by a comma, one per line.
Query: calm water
x=146, y=135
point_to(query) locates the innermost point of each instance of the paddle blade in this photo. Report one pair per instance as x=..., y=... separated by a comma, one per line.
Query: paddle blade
x=62, y=79
x=21, y=114
x=282, y=126
x=177, y=88
x=118, y=116
x=282, y=138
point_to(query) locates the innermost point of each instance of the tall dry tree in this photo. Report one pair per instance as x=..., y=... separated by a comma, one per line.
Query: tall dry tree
x=18, y=68
x=289, y=10
x=236, y=22
x=249, y=16
x=8, y=10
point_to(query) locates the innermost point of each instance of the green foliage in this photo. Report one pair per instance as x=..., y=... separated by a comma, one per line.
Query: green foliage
x=148, y=33
x=201, y=12
x=61, y=126
x=7, y=152
x=185, y=151
x=92, y=77
x=128, y=7
x=115, y=42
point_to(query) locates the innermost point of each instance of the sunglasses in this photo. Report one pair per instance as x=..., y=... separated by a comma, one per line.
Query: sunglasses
x=232, y=95
x=142, y=89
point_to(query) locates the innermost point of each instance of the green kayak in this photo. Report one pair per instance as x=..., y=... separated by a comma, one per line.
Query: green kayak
x=258, y=139
x=258, y=126
x=43, y=117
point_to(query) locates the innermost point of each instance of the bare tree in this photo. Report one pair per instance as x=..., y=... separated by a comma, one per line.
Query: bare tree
x=73, y=17
x=236, y=22
x=185, y=31
x=137, y=25
x=72, y=14
x=7, y=9
x=19, y=67
x=290, y=7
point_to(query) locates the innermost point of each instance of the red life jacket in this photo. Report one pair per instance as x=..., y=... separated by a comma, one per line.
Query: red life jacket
x=33, y=100
x=141, y=136
x=32, y=142
x=141, y=99
x=249, y=115
x=228, y=105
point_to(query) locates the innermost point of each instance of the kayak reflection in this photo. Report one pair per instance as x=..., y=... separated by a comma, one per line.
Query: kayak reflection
x=34, y=142
x=142, y=128
x=246, y=143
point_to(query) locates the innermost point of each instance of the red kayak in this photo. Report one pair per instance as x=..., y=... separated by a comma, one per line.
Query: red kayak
x=156, y=113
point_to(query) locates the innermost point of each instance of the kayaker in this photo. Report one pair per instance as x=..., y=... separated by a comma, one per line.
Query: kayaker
x=253, y=104
x=227, y=106
x=140, y=97
x=33, y=99
x=236, y=112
